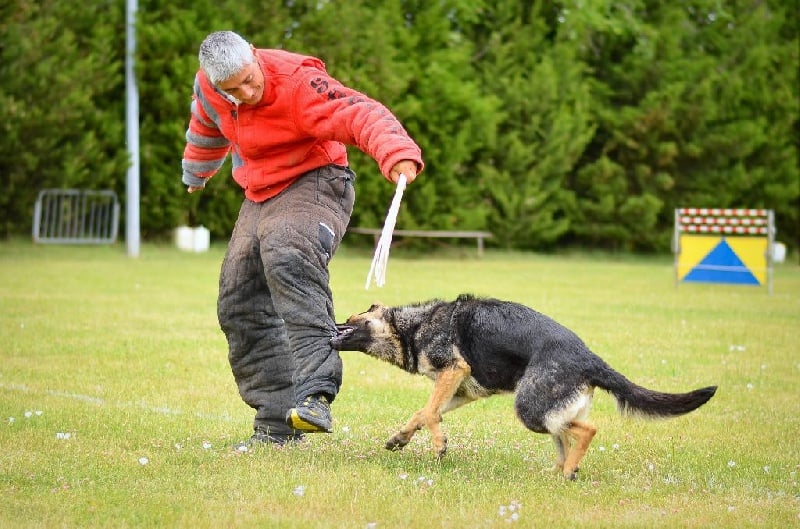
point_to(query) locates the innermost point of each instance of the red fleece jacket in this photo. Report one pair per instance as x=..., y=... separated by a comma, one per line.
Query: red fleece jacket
x=303, y=121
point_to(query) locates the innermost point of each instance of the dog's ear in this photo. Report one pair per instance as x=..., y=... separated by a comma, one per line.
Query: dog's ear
x=376, y=306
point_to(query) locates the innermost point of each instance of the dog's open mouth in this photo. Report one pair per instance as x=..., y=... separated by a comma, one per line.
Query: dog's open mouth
x=343, y=330
x=342, y=333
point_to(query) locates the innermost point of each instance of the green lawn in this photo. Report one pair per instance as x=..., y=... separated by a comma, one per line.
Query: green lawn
x=118, y=409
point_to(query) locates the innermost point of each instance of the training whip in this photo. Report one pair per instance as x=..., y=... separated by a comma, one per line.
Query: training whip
x=378, y=266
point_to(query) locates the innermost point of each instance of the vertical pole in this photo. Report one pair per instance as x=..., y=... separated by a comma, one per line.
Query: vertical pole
x=770, y=247
x=676, y=245
x=132, y=130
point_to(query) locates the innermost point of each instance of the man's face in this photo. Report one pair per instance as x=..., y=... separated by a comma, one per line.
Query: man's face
x=247, y=86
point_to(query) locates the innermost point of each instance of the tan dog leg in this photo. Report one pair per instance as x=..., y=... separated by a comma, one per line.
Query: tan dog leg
x=582, y=433
x=445, y=386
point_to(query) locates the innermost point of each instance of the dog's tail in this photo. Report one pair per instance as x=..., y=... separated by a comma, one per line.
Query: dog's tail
x=633, y=399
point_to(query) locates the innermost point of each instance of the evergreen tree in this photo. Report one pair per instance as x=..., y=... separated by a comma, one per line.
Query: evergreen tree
x=680, y=116
x=63, y=119
x=548, y=123
x=545, y=124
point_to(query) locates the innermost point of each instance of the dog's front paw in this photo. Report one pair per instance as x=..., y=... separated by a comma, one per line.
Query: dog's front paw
x=571, y=475
x=441, y=448
x=396, y=442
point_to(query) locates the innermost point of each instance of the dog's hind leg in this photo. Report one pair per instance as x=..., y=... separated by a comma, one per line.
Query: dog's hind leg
x=430, y=417
x=558, y=409
x=562, y=446
x=582, y=434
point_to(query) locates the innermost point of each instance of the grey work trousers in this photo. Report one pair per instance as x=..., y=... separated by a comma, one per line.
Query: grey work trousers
x=275, y=304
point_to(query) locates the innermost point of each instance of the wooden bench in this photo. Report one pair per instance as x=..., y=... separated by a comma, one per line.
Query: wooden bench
x=441, y=234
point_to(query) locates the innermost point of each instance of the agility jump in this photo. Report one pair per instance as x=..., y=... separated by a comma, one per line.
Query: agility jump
x=733, y=246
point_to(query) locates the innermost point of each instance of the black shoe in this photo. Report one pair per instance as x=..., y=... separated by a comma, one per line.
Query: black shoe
x=262, y=437
x=313, y=415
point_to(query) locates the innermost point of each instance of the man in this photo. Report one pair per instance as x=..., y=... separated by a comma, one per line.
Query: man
x=285, y=122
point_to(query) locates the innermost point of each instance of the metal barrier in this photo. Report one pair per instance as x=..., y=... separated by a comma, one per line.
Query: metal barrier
x=76, y=216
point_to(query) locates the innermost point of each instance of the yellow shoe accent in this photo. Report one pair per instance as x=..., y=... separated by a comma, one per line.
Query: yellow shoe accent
x=298, y=423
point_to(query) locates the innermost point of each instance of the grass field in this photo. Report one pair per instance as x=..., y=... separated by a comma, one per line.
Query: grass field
x=118, y=409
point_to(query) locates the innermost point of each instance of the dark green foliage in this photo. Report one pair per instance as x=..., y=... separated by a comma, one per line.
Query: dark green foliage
x=685, y=98
x=544, y=126
x=62, y=121
x=547, y=123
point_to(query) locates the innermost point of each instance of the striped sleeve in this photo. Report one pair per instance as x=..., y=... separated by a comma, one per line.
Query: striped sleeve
x=206, y=147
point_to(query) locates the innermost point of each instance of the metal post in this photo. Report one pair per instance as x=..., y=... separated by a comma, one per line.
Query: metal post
x=770, y=247
x=132, y=129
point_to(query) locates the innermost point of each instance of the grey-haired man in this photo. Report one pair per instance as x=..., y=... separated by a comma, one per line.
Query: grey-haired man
x=285, y=122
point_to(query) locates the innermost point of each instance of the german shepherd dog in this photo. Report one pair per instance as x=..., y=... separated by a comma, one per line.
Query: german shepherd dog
x=476, y=347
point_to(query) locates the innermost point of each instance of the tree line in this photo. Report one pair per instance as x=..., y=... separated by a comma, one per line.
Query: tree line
x=548, y=123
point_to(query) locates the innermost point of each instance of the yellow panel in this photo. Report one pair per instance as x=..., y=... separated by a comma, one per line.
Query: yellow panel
x=753, y=253
x=694, y=248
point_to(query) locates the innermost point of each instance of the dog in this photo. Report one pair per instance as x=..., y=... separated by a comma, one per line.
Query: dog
x=475, y=347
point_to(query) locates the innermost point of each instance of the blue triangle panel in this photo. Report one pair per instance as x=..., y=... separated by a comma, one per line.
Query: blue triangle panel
x=722, y=265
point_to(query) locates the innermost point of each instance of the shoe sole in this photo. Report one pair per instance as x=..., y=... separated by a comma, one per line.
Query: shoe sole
x=294, y=420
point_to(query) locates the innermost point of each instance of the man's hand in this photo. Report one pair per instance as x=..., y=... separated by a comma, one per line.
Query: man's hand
x=406, y=167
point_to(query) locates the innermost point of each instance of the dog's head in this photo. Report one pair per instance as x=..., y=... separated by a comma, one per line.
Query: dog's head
x=370, y=332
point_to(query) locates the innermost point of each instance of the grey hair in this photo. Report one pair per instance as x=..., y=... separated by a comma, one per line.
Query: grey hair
x=223, y=54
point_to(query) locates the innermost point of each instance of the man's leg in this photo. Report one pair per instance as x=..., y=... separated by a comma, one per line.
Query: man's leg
x=299, y=235
x=259, y=354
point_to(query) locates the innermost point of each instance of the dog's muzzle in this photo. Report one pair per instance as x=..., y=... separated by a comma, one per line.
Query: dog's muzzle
x=342, y=332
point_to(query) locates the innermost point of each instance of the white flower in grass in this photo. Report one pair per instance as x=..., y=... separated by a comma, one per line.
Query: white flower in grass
x=510, y=512
x=403, y=476
x=345, y=429
x=143, y=461
x=206, y=445
x=749, y=385
x=615, y=446
x=731, y=464
x=10, y=420
x=63, y=435
x=28, y=414
x=372, y=525
x=299, y=490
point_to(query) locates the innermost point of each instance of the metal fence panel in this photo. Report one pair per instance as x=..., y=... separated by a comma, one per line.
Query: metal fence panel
x=76, y=216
